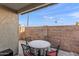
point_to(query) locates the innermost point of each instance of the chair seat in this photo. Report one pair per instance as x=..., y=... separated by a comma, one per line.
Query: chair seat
x=51, y=53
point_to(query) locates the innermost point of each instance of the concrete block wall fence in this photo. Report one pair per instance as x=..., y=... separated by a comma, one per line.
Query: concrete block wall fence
x=66, y=36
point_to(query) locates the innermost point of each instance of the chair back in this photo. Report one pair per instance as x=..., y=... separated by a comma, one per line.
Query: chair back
x=27, y=43
x=58, y=47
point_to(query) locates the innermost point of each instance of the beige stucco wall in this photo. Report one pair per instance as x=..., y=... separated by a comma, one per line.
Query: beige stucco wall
x=8, y=29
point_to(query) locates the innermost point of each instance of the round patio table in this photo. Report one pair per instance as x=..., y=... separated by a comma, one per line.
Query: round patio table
x=39, y=47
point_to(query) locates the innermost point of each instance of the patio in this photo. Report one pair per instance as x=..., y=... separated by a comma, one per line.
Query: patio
x=64, y=36
x=61, y=52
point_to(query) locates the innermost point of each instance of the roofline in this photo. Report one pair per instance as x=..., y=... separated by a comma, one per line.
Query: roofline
x=37, y=7
x=29, y=8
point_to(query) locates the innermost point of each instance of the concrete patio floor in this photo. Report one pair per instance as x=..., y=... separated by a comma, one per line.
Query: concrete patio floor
x=61, y=52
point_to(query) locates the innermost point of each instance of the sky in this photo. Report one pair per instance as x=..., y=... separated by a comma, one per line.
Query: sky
x=54, y=15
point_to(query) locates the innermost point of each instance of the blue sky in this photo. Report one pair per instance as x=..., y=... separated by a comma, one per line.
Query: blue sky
x=54, y=15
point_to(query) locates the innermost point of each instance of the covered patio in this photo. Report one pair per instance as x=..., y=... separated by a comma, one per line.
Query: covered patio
x=10, y=37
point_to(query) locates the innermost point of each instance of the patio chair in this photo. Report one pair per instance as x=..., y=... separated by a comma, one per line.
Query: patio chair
x=6, y=52
x=54, y=52
x=26, y=50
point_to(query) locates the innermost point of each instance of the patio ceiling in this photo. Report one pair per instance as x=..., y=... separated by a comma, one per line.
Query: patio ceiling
x=24, y=7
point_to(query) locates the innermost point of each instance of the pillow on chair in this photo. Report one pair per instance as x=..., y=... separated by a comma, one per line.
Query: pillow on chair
x=54, y=52
x=51, y=53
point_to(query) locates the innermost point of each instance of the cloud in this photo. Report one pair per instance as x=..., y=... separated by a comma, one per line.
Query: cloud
x=53, y=18
x=48, y=17
x=75, y=14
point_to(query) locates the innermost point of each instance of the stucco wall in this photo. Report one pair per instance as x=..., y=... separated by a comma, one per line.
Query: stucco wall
x=8, y=30
x=66, y=36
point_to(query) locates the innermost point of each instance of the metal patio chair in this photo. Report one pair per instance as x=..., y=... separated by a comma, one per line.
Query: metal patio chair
x=26, y=50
